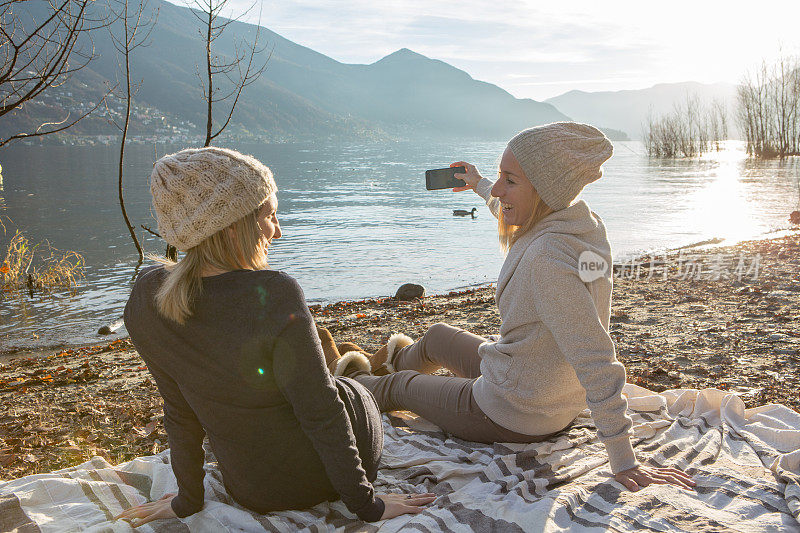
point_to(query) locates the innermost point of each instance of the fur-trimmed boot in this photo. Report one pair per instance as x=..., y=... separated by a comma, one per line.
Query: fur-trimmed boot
x=342, y=365
x=350, y=363
x=345, y=347
x=328, y=346
x=383, y=360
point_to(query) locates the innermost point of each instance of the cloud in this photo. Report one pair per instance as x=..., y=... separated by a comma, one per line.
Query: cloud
x=621, y=43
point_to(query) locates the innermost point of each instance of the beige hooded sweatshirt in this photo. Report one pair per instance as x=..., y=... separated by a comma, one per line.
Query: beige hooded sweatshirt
x=554, y=355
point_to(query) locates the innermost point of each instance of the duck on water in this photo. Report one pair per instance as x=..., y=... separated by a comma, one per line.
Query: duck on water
x=463, y=213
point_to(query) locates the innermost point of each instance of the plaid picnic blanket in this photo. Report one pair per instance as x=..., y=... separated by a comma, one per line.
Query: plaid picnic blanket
x=746, y=463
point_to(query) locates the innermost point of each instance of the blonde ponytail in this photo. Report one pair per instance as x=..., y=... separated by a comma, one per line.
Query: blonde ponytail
x=236, y=247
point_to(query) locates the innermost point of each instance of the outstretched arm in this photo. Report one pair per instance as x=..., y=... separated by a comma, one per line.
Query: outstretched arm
x=301, y=375
x=185, y=435
x=566, y=308
x=479, y=184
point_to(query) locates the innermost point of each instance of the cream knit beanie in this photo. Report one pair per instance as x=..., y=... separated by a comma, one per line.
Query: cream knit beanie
x=560, y=159
x=199, y=191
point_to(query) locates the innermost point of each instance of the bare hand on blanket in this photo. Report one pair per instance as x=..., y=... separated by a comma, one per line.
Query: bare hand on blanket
x=397, y=504
x=642, y=476
x=472, y=177
x=147, y=512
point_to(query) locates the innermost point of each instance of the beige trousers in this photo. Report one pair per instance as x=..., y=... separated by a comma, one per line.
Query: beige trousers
x=445, y=401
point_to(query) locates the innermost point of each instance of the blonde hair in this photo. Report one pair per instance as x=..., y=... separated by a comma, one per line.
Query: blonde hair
x=236, y=247
x=509, y=234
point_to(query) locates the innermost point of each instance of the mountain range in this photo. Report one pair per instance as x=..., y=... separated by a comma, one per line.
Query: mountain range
x=629, y=110
x=305, y=94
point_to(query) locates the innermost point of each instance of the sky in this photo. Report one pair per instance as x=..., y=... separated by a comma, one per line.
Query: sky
x=542, y=49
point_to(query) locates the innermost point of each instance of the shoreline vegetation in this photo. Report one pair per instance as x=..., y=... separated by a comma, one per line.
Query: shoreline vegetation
x=37, y=267
x=767, y=112
x=724, y=318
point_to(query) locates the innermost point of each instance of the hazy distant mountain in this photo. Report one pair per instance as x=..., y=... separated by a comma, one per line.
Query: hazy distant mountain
x=628, y=110
x=305, y=94
x=426, y=94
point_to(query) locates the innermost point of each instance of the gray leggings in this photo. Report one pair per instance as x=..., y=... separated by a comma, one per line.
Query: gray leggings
x=445, y=401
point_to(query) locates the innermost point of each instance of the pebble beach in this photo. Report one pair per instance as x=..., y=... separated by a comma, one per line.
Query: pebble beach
x=722, y=317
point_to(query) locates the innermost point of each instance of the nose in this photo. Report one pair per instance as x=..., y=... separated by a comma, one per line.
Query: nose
x=278, y=232
x=497, y=189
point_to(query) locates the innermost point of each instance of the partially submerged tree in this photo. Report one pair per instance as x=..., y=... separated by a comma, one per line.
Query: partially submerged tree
x=769, y=108
x=717, y=119
x=239, y=71
x=132, y=34
x=42, y=44
x=691, y=129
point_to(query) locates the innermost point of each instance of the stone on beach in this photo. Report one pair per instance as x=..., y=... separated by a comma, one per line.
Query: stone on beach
x=108, y=329
x=410, y=291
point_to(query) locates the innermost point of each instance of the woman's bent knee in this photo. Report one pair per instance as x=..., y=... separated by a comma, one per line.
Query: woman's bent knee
x=441, y=328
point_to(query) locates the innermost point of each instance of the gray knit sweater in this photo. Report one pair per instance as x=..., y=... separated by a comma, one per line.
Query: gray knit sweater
x=554, y=354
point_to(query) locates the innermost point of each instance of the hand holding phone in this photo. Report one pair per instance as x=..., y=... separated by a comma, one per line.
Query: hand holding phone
x=444, y=178
x=471, y=178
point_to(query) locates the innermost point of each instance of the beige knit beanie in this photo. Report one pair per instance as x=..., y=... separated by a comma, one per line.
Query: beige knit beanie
x=199, y=191
x=560, y=159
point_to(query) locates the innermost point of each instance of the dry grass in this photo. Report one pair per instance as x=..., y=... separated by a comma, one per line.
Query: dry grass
x=38, y=267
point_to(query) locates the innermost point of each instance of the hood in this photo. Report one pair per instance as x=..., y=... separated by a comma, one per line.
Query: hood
x=576, y=219
x=567, y=233
x=576, y=227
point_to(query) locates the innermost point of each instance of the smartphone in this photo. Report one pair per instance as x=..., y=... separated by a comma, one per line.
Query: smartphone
x=444, y=178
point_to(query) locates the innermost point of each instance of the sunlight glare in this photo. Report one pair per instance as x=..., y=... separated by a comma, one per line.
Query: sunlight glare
x=722, y=207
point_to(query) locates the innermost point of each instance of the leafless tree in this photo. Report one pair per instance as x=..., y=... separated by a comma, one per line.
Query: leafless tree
x=785, y=104
x=690, y=130
x=38, y=53
x=128, y=34
x=718, y=120
x=241, y=70
x=769, y=108
x=747, y=112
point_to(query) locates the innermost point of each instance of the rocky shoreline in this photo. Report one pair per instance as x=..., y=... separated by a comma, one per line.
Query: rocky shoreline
x=725, y=318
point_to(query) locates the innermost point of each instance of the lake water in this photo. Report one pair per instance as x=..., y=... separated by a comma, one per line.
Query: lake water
x=357, y=221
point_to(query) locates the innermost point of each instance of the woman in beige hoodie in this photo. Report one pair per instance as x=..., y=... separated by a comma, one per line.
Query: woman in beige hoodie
x=553, y=356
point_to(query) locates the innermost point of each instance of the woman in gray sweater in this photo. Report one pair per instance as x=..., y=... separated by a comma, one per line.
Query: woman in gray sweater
x=553, y=356
x=237, y=358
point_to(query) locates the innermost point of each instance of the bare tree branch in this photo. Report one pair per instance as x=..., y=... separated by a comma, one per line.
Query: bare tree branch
x=64, y=125
x=244, y=80
x=125, y=44
x=43, y=56
x=245, y=62
x=157, y=234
